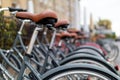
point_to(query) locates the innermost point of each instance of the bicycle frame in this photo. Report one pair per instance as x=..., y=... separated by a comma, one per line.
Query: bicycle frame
x=9, y=52
x=27, y=56
x=19, y=38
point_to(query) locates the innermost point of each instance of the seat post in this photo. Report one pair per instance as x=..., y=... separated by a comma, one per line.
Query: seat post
x=33, y=38
x=53, y=38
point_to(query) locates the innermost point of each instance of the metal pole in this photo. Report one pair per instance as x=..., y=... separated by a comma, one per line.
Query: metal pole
x=30, y=6
x=77, y=15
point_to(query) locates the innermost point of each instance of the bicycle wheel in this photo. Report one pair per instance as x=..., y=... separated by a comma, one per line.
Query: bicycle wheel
x=83, y=58
x=15, y=62
x=113, y=51
x=91, y=47
x=79, y=71
x=10, y=62
x=86, y=51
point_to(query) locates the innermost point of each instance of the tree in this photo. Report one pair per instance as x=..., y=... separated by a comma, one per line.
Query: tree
x=105, y=22
x=8, y=30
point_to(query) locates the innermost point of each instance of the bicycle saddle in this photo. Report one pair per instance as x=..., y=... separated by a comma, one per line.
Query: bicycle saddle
x=101, y=36
x=63, y=23
x=63, y=34
x=73, y=31
x=81, y=37
x=58, y=35
x=45, y=17
x=74, y=35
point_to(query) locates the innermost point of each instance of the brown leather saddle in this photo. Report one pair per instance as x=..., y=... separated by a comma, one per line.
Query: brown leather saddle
x=63, y=23
x=45, y=17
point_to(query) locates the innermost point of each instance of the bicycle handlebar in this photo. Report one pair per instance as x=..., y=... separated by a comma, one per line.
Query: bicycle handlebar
x=4, y=9
x=16, y=9
x=12, y=9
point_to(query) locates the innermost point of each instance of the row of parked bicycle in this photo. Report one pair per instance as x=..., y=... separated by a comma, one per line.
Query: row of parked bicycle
x=67, y=55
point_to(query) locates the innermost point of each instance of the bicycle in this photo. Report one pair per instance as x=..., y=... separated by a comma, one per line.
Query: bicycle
x=8, y=55
x=48, y=21
x=42, y=77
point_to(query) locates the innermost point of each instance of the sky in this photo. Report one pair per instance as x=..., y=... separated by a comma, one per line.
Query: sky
x=102, y=9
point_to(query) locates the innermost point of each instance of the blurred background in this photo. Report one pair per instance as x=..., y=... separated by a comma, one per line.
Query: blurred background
x=76, y=11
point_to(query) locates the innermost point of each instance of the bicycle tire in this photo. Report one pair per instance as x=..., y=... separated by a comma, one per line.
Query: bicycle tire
x=67, y=69
x=91, y=47
x=89, y=58
x=15, y=64
x=113, y=53
x=86, y=51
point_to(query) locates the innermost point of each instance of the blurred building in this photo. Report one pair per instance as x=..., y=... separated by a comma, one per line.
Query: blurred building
x=66, y=9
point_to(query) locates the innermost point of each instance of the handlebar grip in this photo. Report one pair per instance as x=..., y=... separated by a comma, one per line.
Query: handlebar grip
x=17, y=9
